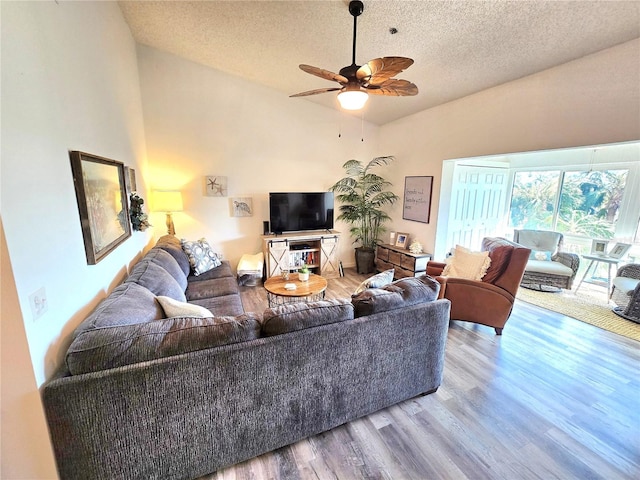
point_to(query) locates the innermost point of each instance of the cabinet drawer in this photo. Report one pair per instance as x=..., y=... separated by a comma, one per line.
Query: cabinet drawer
x=382, y=253
x=381, y=265
x=395, y=257
x=408, y=262
x=415, y=263
x=403, y=272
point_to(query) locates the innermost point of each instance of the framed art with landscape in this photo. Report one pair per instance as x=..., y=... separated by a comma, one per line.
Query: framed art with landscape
x=102, y=203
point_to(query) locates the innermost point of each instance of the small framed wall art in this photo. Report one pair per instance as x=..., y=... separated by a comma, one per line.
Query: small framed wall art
x=241, y=207
x=402, y=240
x=215, y=186
x=102, y=203
x=417, y=198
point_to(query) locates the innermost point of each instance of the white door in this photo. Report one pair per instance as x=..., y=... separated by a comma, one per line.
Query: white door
x=477, y=205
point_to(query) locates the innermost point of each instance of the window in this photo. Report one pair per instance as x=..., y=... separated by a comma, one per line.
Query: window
x=582, y=203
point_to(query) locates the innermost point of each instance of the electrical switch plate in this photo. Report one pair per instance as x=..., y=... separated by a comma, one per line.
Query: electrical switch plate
x=38, y=302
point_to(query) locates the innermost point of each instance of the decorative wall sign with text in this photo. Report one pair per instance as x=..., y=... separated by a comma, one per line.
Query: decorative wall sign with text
x=417, y=198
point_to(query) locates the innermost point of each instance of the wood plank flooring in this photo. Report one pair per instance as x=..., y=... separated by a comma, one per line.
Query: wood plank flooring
x=552, y=398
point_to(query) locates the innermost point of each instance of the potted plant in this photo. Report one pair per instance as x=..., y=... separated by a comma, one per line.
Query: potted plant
x=303, y=273
x=362, y=196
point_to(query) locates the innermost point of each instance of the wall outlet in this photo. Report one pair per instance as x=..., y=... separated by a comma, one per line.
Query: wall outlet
x=38, y=302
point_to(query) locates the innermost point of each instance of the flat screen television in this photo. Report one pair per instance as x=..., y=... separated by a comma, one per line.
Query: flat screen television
x=299, y=211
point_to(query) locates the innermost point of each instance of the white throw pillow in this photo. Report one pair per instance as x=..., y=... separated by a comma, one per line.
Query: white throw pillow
x=173, y=308
x=467, y=264
x=376, y=281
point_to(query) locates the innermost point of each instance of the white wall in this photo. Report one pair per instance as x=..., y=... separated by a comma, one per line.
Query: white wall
x=69, y=81
x=200, y=121
x=590, y=101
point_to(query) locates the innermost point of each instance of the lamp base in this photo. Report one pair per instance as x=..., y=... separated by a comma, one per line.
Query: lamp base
x=170, y=229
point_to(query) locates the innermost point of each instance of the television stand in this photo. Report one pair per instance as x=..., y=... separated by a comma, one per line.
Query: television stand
x=288, y=251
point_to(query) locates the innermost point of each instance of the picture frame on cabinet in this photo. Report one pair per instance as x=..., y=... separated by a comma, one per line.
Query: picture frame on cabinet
x=402, y=240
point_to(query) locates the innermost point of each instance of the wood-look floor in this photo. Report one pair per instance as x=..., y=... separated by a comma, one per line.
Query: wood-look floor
x=552, y=398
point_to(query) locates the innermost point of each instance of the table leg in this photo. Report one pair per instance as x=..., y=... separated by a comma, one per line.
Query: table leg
x=585, y=274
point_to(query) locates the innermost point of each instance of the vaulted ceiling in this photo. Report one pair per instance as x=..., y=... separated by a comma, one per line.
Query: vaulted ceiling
x=459, y=47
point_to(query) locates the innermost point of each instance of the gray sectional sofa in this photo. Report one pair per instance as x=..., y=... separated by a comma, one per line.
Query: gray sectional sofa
x=143, y=396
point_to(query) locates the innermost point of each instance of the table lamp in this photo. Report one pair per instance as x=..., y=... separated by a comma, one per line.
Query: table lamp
x=169, y=202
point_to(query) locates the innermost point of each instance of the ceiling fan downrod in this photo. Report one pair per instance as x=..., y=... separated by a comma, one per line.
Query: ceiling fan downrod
x=356, y=7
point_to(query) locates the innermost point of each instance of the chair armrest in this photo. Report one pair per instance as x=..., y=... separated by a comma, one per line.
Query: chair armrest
x=632, y=270
x=434, y=269
x=571, y=260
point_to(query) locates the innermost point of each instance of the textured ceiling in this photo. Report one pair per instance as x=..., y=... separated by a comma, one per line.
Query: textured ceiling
x=459, y=47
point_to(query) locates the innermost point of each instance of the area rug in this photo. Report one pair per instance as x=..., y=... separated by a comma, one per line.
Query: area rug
x=587, y=305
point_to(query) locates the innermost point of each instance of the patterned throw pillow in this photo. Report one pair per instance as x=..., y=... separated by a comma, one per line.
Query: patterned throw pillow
x=201, y=257
x=540, y=255
x=376, y=281
x=467, y=264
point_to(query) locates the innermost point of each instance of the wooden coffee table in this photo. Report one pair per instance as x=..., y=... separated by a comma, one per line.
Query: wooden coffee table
x=310, y=291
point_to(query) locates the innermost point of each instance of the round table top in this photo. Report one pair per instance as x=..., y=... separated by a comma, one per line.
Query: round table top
x=313, y=286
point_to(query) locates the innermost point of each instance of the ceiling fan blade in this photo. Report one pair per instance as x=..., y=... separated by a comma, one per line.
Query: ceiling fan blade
x=378, y=70
x=394, y=88
x=326, y=74
x=316, y=92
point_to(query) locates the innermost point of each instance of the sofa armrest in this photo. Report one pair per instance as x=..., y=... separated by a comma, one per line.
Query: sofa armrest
x=571, y=260
x=631, y=270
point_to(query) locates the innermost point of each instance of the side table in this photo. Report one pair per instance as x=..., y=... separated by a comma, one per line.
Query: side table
x=595, y=260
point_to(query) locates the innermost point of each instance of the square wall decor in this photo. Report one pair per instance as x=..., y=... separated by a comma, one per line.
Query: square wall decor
x=215, y=186
x=241, y=206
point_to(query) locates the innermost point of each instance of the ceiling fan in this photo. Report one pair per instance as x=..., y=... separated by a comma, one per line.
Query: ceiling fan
x=357, y=81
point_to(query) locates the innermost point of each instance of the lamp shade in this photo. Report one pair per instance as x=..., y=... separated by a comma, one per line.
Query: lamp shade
x=167, y=201
x=352, y=99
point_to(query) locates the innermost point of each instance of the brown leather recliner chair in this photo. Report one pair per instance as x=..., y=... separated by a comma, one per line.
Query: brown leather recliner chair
x=488, y=301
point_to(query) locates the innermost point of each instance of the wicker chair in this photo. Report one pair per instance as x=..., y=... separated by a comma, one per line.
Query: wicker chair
x=626, y=292
x=557, y=273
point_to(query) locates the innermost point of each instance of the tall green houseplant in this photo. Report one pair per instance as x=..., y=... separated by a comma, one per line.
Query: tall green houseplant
x=362, y=195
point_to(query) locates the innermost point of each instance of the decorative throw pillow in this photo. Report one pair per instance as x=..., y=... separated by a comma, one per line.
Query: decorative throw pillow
x=201, y=257
x=376, y=281
x=173, y=308
x=467, y=264
x=540, y=255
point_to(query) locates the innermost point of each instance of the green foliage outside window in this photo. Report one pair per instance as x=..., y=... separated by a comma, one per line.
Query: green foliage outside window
x=588, y=203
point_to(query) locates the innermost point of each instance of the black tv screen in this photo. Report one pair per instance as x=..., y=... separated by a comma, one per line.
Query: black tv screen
x=293, y=212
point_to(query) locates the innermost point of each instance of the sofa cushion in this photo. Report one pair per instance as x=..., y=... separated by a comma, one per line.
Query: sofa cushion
x=127, y=304
x=376, y=281
x=401, y=293
x=177, y=253
x=201, y=256
x=169, y=263
x=301, y=315
x=224, y=270
x=550, y=268
x=467, y=264
x=110, y=347
x=173, y=308
x=212, y=288
x=156, y=279
x=225, y=305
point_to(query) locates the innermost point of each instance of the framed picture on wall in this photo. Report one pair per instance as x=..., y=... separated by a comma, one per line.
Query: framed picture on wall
x=102, y=203
x=417, y=198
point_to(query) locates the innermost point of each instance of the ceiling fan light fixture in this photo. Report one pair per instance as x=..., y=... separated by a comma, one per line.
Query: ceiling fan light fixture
x=352, y=99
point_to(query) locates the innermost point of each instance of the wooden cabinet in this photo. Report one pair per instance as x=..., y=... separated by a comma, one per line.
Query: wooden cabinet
x=405, y=263
x=319, y=250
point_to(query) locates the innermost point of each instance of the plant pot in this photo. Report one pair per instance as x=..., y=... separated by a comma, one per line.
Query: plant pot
x=303, y=277
x=365, y=260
